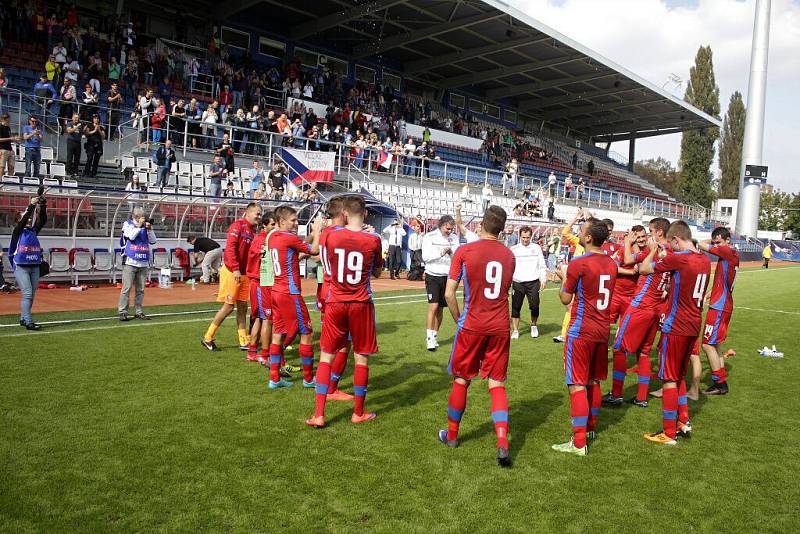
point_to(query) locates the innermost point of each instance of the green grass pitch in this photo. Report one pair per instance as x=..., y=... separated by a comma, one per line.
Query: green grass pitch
x=135, y=427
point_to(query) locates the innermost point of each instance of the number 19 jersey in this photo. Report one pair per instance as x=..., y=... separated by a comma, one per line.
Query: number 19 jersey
x=486, y=268
x=591, y=279
x=350, y=257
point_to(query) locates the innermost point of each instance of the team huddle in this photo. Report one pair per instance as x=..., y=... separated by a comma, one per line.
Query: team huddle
x=655, y=282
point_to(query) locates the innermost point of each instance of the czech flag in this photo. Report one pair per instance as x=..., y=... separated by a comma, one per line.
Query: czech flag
x=385, y=159
x=309, y=165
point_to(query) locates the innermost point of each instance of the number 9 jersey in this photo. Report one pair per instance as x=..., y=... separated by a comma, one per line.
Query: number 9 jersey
x=591, y=279
x=486, y=268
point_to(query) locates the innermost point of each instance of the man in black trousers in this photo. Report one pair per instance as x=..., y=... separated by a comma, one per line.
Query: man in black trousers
x=74, y=135
x=394, y=235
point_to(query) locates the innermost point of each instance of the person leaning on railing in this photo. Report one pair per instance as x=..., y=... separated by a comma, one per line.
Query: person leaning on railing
x=25, y=254
x=6, y=153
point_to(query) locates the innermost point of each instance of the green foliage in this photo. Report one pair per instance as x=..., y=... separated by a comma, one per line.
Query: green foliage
x=780, y=212
x=730, y=147
x=133, y=427
x=697, y=146
x=659, y=172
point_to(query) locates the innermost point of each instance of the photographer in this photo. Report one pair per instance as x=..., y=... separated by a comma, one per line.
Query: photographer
x=394, y=234
x=25, y=254
x=137, y=236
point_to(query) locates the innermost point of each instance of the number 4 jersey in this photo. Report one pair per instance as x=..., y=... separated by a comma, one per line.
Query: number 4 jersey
x=350, y=257
x=591, y=279
x=687, y=291
x=486, y=268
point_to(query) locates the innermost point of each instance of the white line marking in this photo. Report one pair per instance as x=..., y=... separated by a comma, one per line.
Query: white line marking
x=767, y=311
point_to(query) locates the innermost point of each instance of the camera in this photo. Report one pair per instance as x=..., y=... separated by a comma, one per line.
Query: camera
x=151, y=221
x=40, y=194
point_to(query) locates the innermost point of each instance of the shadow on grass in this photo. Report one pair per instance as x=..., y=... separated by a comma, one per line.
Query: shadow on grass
x=524, y=418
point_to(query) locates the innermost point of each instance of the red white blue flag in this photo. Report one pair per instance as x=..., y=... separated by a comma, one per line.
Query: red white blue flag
x=309, y=165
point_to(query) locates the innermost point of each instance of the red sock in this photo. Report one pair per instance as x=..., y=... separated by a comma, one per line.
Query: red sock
x=499, y=402
x=337, y=369
x=307, y=361
x=456, y=405
x=360, y=380
x=252, y=347
x=618, y=373
x=579, y=410
x=720, y=376
x=595, y=399
x=275, y=357
x=644, y=377
x=683, y=402
x=670, y=410
x=323, y=379
x=265, y=354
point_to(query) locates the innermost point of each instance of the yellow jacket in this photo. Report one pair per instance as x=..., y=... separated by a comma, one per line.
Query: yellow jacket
x=572, y=239
x=767, y=252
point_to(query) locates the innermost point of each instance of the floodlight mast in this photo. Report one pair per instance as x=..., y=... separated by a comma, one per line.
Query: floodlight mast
x=750, y=193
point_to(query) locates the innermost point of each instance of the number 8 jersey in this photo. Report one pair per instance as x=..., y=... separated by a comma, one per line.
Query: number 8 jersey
x=687, y=291
x=486, y=268
x=591, y=279
x=349, y=257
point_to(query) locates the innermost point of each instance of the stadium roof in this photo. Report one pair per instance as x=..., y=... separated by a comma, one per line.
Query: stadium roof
x=490, y=49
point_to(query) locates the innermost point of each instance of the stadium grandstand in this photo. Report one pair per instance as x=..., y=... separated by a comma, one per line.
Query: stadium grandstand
x=419, y=105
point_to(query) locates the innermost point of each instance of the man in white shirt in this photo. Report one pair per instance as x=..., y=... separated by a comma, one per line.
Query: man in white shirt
x=530, y=277
x=438, y=247
x=486, y=195
x=394, y=234
x=409, y=149
x=552, y=184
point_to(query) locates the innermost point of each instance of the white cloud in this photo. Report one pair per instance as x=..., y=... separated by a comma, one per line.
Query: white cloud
x=655, y=40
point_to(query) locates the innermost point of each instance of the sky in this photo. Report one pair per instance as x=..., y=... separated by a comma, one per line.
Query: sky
x=658, y=38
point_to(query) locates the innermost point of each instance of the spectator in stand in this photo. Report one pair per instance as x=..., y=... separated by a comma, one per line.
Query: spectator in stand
x=581, y=187
x=217, y=173
x=32, y=135
x=551, y=211
x=74, y=130
x=178, y=121
x=60, y=54
x=114, y=70
x=157, y=119
x=6, y=153
x=277, y=177
x=68, y=98
x=574, y=160
x=114, y=98
x=409, y=158
x=590, y=167
x=89, y=99
x=131, y=78
x=225, y=150
x=465, y=195
x=225, y=99
x=208, y=253
x=95, y=134
x=552, y=185
x=423, y=153
x=52, y=69
x=72, y=70
x=209, y=126
x=257, y=178
x=164, y=158
x=44, y=92
x=486, y=195
x=568, y=186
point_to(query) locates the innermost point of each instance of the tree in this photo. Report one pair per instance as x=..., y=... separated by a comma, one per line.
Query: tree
x=660, y=172
x=773, y=211
x=730, y=147
x=697, y=146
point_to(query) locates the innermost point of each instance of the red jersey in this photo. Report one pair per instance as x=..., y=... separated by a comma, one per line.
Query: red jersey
x=724, y=277
x=286, y=248
x=486, y=268
x=625, y=285
x=591, y=279
x=323, y=239
x=237, y=245
x=610, y=248
x=350, y=257
x=649, y=288
x=254, y=256
x=684, y=306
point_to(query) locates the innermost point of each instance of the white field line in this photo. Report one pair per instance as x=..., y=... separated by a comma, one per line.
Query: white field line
x=767, y=311
x=159, y=323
